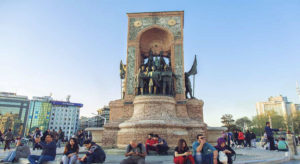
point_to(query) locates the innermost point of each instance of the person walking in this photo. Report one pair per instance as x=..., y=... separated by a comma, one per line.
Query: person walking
x=253, y=139
x=61, y=136
x=248, y=138
x=269, y=132
x=8, y=137
x=241, y=139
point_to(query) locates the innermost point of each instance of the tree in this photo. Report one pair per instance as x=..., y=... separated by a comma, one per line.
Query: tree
x=259, y=122
x=228, y=121
x=243, y=123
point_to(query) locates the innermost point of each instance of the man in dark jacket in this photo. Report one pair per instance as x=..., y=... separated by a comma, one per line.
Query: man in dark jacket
x=269, y=132
x=248, y=138
x=8, y=137
x=95, y=153
x=45, y=134
x=48, y=153
x=253, y=139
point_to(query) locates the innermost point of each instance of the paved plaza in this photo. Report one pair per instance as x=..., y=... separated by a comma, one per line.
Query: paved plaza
x=246, y=155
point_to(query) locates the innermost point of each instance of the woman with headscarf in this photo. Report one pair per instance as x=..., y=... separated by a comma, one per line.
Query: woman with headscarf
x=225, y=152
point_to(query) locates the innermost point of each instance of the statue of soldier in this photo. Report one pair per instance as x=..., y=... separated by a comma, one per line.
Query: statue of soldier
x=188, y=86
x=167, y=78
x=142, y=79
x=150, y=62
x=154, y=78
x=137, y=81
x=162, y=62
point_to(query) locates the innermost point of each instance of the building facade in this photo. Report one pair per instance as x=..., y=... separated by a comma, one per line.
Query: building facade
x=83, y=121
x=104, y=113
x=65, y=116
x=13, y=112
x=39, y=114
x=279, y=104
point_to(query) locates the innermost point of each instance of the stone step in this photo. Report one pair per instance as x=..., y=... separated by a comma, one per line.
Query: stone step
x=25, y=161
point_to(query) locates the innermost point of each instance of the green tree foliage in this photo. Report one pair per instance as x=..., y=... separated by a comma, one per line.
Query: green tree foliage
x=228, y=121
x=243, y=122
x=259, y=122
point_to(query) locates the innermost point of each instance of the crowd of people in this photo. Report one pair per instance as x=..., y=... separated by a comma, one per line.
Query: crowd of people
x=200, y=152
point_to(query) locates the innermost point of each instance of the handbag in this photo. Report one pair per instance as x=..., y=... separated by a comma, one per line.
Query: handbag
x=223, y=157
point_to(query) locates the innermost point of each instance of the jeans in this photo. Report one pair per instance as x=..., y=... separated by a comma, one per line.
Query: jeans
x=198, y=158
x=253, y=142
x=58, y=143
x=272, y=144
x=10, y=157
x=208, y=158
x=69, y=160
x=7, y=145
x=36, y=159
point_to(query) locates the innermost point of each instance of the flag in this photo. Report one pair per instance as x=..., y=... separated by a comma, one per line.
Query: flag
x=193, y=70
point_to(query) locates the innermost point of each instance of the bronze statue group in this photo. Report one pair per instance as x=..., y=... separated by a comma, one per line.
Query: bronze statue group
x=155, y=76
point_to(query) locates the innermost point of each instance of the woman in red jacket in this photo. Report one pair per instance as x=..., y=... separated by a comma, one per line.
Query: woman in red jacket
x=241, y=139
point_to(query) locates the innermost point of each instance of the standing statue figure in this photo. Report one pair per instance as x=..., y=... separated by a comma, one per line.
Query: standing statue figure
x=188, y=85
x=122, y=70
x=142, y=77
x=162, y=62
x=154, y=78
x=150, y=62
x=157, y=63
x=137, y=81
x=167, y=78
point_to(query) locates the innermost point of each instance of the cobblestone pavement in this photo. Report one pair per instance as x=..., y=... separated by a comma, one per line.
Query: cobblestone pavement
x=246, y=155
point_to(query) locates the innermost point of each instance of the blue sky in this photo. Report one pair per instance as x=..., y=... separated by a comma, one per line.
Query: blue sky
x=247, y=50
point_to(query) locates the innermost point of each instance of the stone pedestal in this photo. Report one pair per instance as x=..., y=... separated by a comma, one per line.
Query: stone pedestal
x=213, y=133
x=158, y=114
x=97, y=134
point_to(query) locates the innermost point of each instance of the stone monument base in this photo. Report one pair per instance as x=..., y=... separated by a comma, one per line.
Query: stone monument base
x=160, y=115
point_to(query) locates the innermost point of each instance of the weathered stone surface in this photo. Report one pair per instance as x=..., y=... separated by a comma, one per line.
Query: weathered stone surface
x=97, y=134
x=120, y=111
x=158, y=114
x=179, y=69
x=157, y=20
x=130, y=70
x=213, y=133
x=195, y=109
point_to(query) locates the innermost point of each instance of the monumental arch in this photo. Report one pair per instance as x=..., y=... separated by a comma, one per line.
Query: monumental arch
x=154, y=98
